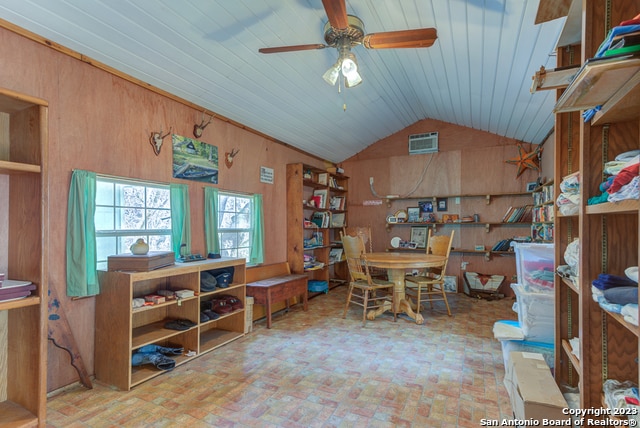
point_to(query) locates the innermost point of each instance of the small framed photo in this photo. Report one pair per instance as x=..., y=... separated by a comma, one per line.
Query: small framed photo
x=532, y=186
x=426, y=206
x=413, y=214
x=442, y=204
x=391, y=219
x=419, y=236
x=479, y=247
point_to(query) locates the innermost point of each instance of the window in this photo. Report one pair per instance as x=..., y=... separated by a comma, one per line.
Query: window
x=127, y=210
x=234, y=224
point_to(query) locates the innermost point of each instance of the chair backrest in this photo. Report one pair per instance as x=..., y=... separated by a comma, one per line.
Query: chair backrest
x=354, y=251
x=364, y=231
x=440, y=245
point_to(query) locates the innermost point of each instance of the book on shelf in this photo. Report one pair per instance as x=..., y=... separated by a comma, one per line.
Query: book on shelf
x=518, y=214
x=322, y=178
x=336, y=255
x=336, y=203
x=322, y=193
x=321, y=219
x=337, y=220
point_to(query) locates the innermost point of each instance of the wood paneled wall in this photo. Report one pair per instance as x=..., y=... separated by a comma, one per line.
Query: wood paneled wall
x=102, y=122
x=468, y=162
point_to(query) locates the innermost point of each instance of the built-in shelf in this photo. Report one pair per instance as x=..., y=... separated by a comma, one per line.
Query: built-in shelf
x=608, y=82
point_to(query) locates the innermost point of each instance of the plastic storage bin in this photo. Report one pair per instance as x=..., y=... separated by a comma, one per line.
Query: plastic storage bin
x=316, y=286
x=535, y=264
x=536, y=313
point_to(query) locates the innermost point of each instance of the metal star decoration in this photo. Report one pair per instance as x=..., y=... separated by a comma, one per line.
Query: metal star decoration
x=526, y=160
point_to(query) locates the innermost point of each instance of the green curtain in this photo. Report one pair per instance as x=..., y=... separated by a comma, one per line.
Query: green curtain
x=180, y=219
x=257, y=238
x=82, y=277
x=211, y=220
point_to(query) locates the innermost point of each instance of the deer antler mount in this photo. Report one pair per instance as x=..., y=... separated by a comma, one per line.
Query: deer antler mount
x=198, y=128
x=156, y=139
x=228, y=157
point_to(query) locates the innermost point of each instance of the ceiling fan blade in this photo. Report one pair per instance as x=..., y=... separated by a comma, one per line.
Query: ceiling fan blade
x=337, y=13
x=291, y=48
x=419, y=38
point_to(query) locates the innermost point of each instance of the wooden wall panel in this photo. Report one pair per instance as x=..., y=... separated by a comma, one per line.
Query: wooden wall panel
x=102, y=123
x=468, y=162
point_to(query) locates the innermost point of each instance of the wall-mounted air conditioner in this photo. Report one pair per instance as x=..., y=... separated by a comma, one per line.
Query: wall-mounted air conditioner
x=423, y=143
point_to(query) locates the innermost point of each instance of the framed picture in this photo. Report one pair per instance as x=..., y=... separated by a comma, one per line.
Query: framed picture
x=532, y=186
x=425, y=207
x=442, y=204
x=419, y=236
x=413, y=214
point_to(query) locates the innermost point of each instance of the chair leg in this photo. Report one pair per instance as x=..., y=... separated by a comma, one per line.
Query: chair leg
x=346, y=307
x=366, y=305
x=444, y=297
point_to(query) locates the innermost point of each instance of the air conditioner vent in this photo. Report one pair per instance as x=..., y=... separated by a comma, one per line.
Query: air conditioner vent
x=423, y=143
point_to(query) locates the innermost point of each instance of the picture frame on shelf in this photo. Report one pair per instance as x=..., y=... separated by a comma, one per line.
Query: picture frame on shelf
x=419, y=236
x=425, y=207
x=532, y=186
x=413, y=214
x=441, y=204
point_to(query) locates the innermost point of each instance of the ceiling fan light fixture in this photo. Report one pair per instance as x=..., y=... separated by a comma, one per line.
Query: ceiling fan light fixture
x=331, y=75
x=349, y=70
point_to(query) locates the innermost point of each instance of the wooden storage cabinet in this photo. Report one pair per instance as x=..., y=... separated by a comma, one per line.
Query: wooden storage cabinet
x=121, y=330
x=608, y=232
x=302, y=181
x=23, y=322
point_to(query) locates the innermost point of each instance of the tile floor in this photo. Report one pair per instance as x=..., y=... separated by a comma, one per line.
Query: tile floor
x=315, y=369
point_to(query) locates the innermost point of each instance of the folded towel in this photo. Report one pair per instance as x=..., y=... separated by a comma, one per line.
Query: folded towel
x=606, y=281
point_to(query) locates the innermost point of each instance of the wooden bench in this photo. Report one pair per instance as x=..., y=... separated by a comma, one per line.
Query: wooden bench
x=275, y=283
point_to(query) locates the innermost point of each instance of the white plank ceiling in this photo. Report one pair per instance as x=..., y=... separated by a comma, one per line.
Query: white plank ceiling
x=477, y=74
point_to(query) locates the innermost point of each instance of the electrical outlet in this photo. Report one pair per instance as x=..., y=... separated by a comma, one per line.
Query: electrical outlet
x=371, y=180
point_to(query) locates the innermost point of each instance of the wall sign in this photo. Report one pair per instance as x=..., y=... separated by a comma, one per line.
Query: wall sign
x=266, y=175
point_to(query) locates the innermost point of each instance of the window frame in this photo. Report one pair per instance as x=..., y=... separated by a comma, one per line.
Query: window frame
x=119, y=233
x=250, y=230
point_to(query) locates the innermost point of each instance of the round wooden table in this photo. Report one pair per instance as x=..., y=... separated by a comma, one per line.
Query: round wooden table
x=396, y=265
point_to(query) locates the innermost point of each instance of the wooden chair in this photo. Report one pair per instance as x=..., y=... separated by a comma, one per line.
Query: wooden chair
x=428, y=286
x=365, y=232
x=364, y=291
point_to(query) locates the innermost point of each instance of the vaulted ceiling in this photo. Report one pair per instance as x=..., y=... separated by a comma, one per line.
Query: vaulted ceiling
x=477, y=74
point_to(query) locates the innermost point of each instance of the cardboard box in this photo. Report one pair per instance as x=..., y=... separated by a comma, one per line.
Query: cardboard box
x=533, y=391
x=141, y=262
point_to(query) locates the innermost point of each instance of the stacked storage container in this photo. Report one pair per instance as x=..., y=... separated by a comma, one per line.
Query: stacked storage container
x=534, y=304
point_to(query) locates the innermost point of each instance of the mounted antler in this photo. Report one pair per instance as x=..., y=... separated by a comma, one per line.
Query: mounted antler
x=197, y=129
x=156, y=140
x=228, y=157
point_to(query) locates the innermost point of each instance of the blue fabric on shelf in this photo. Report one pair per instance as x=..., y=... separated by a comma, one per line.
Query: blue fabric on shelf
x=622, y=295
x=606, y=281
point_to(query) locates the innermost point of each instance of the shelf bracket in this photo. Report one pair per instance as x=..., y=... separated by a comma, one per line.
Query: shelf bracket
x=487, y=255
x=487, y=227
x=488, y=199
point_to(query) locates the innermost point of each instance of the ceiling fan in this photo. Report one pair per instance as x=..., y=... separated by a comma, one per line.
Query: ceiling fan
x=344, y=31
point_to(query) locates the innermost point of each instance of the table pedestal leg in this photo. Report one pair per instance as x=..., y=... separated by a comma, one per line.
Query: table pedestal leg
x=403, y=305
